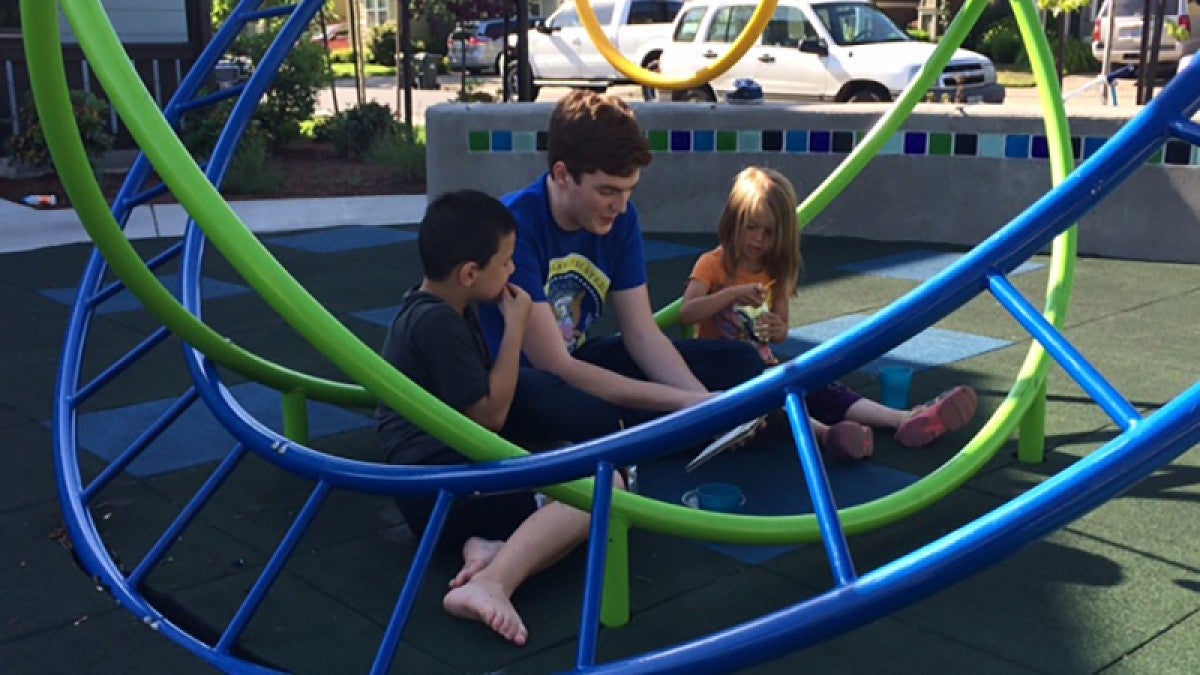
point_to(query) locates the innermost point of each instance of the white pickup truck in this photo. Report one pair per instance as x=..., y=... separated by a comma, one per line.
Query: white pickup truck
x=817, y=50
x=562, y=55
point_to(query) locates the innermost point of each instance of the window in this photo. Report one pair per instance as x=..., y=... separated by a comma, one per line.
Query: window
x=379, y=12
x=570, y=18
x=729, y=22
x=689, y=25
x=652, y=11
x=787, y=28
x=10, y=23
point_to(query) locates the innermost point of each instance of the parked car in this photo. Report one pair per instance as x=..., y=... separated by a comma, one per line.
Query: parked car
x=562, y=54
x=1127, y=47
x=484, y=43
x=339, y=36
x=822, y=50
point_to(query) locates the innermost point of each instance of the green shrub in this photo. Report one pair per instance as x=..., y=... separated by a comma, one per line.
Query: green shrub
x=199, y=130
x=29, y=149
x=1077, y=58
x=320, y=128
x=1001, y=42
x=918, y=34
x=383, y=44
x=292, y=97
x=251, y=171
x=354, y=130
x=401, y=152
x=345, y=55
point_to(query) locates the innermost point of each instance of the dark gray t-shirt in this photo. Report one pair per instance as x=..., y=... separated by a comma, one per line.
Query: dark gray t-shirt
x=444, y=353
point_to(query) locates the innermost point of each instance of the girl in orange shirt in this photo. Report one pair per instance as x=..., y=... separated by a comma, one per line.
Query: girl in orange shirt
x=740, y=291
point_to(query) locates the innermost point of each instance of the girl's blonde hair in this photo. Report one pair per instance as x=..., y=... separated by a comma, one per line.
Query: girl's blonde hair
x=765, y=196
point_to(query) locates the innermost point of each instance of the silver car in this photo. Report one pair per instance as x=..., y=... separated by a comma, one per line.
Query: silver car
x=480, y=44
x=1127, y=46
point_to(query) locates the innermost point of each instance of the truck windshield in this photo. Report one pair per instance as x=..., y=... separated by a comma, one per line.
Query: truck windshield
x=857, y=23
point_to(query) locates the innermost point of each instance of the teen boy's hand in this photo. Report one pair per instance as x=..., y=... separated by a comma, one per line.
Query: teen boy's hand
x=515, y=304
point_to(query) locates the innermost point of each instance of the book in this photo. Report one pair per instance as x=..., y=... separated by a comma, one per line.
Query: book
x=730, y=439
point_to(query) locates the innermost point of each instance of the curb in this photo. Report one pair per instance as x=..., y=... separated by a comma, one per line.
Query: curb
x=23, y=228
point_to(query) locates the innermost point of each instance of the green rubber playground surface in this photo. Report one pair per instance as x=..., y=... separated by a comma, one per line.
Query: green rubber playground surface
x=1116, y=592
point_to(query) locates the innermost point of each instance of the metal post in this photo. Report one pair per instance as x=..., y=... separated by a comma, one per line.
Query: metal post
x=404, y=42
x=524, y=74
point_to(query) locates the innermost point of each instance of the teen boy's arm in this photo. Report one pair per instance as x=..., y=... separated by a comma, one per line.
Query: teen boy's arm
x=647, y=344
x=545, y=350
x=491, y=411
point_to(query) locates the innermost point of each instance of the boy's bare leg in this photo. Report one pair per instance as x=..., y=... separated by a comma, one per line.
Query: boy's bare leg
x=477, y=553
x=543, y=539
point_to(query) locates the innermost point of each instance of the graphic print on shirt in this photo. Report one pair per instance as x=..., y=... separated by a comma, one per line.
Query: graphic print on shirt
x=576, y=290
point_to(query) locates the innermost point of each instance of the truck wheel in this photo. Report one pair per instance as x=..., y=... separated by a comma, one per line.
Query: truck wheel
x=866, y=95
x=651, y=64
x=697, y=95
x=514, y=81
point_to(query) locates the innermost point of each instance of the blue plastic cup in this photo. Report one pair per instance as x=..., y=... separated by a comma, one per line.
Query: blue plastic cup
x=895, y=383
x=723, y=497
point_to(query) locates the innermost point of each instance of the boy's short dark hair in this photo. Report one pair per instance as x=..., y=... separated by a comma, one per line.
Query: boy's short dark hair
x=459, y=227
x=594, y=132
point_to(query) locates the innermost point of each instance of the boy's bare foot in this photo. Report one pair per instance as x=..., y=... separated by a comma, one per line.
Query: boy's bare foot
x=485, y=601
x=477, y=553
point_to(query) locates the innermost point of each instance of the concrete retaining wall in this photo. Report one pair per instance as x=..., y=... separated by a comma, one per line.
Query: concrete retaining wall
x=952, y=175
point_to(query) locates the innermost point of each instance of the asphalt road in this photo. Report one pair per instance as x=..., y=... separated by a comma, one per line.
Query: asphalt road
x=1080, y=97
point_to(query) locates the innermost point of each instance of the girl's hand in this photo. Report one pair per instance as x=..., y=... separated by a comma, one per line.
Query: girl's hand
x=747, y=294
x=771, y=327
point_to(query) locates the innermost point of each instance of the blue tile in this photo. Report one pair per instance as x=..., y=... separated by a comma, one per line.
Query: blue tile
x=1040, y=148
x=796, y=140
x=380, y=317
x=820, y=141
x=704, y=140
x=681, y=140
x=1016, y=146
x=210, y=289
x=917, y=265
x=1092, y=145
x=196, y=437
x=664, y=250
x=502, y=141
x=341, y=239
x=915, y=142
x=928, y=349
x=769, y=474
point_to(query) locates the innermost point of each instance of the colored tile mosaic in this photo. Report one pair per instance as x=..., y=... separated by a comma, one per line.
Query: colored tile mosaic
x=839, y=141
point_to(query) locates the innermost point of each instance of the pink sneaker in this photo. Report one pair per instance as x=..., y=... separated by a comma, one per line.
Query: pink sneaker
x=948, y=412
x=849, y=441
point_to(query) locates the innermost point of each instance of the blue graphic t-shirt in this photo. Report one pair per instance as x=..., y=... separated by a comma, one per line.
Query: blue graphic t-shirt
x=572, y=271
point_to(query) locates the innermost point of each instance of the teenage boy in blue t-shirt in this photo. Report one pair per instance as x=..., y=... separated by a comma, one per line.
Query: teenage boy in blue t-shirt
x=579, y=245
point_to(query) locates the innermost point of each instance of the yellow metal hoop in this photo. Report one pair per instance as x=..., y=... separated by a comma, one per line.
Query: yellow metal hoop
x=649, y=78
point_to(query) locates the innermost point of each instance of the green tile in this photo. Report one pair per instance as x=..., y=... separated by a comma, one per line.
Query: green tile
x=1156, y=158
x=659, y=140
x=479, y=141
x=940, y=144
x=727, y=141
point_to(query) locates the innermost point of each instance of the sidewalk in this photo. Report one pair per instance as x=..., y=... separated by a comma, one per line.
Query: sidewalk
x=24, y=229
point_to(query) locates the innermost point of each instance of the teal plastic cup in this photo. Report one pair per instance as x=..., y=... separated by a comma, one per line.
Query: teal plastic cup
x=723, y=497
x=895, y=383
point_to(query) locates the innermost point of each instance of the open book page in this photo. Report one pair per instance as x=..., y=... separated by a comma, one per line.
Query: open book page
x=732, y=438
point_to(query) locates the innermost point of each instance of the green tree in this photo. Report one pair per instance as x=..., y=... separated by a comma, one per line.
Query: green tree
x=1061, y=10
x=292, y=98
